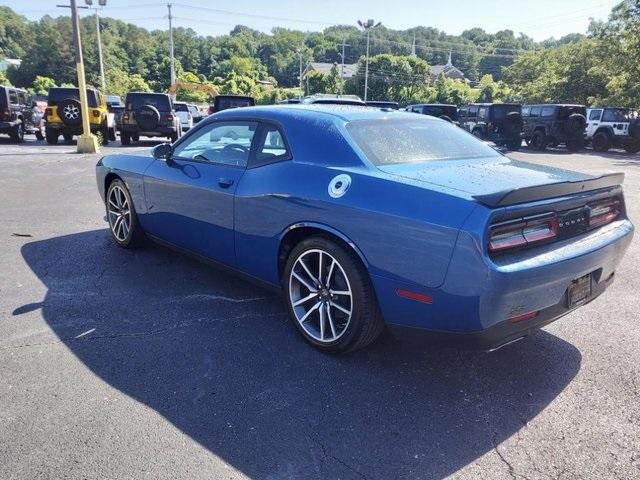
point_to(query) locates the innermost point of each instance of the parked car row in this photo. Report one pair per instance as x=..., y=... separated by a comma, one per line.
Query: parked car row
x=543, y=125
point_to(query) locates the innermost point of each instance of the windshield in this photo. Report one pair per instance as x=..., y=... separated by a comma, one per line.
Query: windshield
x=386, y=141
x=501, y=111
x=57, y=95
x=618, y=115
x=157, y=100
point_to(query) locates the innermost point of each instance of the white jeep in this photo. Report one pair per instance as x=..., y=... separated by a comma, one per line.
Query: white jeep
x=613, y=127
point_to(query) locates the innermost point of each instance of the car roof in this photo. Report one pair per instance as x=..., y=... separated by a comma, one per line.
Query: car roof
x=553, y=105
x=432, y=105
x=343, y=112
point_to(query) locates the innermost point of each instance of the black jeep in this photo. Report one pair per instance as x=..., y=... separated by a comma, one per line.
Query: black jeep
x=440, y=110
x=148, y=114
x=551, y=125
x=18, y=115
x=500, y=123
x=223, y=102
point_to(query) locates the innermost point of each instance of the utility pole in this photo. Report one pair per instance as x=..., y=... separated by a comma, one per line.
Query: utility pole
x=343, y=45
x=87, y=143
x=300, y=76
x=102, y=80
x=367, y=26
x=173, y=66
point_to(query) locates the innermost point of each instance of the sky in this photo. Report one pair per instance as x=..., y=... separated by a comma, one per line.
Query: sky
x=539, y=19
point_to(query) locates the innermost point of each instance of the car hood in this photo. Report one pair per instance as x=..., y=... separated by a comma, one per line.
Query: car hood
x=482, y=176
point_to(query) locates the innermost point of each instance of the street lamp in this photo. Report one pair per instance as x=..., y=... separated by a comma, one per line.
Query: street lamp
x=101, y=3
x=367, y=26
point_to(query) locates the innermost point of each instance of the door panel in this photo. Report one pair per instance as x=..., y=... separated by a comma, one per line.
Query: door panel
x=190, y=198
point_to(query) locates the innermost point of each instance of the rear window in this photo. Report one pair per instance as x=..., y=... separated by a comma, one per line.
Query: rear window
x=440, y=110
x=56, y=95
x=136, y=101
x=394, y=141
x=223, y=103
x=180, y=107
x=564, y=112
x=501, y=111
x=618, y=115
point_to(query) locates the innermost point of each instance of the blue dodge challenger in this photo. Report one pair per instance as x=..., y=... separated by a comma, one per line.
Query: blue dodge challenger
x=367, y=218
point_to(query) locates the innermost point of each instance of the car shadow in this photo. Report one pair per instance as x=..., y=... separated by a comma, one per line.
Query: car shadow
x=218, y=358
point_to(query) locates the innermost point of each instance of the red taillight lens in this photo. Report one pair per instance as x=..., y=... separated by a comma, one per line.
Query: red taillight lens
x=170, y=117
x=96, y=113
x=125, y=116
x=603, y=213
x=6, y=113
x=523, y=233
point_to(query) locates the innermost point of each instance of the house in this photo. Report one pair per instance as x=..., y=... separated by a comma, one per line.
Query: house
x=448, y=70
x=5, y=63
x=350, y=69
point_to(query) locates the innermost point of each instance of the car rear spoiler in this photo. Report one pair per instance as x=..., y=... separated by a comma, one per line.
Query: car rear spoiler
x=551, y=190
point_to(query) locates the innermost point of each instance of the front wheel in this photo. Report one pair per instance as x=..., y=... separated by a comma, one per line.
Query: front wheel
x=632, y=147
x=17, y=133
x=51, y=136
x=329, y=296
x=601, y=142
x=538, y=141
x=121, y=214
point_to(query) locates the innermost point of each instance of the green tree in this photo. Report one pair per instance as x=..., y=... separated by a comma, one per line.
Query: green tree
x=41, y=85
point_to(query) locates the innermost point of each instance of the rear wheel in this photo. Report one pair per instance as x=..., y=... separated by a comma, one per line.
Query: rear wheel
x=514, y=144
x=329, y=296
x=121, y=214
x=632, y=147
x=575, y=144
x=125, y=138
x=601, y=142
x=68, y=137
x=538, y=141
x=174, y=136
x=17, y=133
x=51, y=136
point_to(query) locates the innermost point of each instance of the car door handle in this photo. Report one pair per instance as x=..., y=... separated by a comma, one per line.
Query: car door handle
x=225, y=182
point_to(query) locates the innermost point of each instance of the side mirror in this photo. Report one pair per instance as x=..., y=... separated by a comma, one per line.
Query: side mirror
x=162, y=151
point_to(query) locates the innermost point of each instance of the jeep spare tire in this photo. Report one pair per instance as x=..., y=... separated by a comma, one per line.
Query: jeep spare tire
x=576, y=124
x=513, y=124
x=148, y=117
x=69, y=112
x=634, y=129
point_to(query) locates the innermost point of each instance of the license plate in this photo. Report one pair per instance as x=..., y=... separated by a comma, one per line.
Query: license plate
x=579, y=291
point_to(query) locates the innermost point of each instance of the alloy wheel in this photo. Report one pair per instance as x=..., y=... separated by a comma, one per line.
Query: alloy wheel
x=71, y=112
x=119, y=213
x=320, y=295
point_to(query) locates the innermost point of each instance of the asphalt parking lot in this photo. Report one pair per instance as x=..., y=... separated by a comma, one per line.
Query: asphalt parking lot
x=148, y=364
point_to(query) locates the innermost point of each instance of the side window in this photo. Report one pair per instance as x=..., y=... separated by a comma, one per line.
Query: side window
x=463, y=112
x=482, y=113
x=222, y=143
x=547, y=111
x=13, y=97
x=473, y=110
x=272, y=146
x=526, y=111
x=535, y=111
x=595, y=114
x=22, y=97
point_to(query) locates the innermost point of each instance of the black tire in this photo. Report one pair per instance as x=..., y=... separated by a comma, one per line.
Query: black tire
x=17, y=133
x=104, y=134
x=135, y=236
x=68, y=137
x=576, y=124
x=51, y=137
x=125, y=138
x=575, y=144
x=477, y=133
x=70, y=112
x=538, y=141
x=512, y=125
x=135, y=137
x=112, y=134
x=601, y=142
x=366, y=323
x=514, y=144
x=634, y=129
x=39, y=135
x=632, y=147
x=147, y=117
x=174, y=136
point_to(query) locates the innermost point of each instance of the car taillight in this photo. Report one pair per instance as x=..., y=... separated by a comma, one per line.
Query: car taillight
x=170, y=117
x=603, y=213
x=523, y=232
x=125, y=116
x=6, y=113
x=96, y=113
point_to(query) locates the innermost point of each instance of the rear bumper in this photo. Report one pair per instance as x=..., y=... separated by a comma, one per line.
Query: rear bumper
x=156, y=132
x=478, y=298
x=499, y=334
x=6, y=126
x=61, y=128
